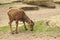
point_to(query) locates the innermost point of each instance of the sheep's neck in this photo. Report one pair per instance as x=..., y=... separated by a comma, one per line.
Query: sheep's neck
x=28, y=21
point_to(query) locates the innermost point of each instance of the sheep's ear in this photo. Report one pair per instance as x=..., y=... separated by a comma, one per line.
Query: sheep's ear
x=10, y=7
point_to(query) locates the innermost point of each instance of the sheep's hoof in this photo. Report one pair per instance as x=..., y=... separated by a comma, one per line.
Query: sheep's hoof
x=16, y=32
x=32, y=30
x=26, y=29
x=12, y=33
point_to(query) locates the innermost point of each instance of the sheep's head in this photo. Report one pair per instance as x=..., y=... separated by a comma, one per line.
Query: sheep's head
x=31, y=25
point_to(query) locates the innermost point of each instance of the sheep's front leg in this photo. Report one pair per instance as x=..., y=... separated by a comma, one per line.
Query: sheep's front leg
x=10, y=24
x=16, y=27
x=31, y=28
x=25, y=26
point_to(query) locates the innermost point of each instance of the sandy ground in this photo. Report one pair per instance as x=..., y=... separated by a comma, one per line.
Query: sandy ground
x=35, y=15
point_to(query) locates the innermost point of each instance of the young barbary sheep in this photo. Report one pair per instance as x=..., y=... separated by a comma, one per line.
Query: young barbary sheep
x=17, y=14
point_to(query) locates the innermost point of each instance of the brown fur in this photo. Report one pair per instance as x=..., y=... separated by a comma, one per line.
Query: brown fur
x=17, y=14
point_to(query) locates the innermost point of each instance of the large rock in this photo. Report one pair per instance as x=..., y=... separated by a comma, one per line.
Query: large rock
x=56, y=0
x=47, y=3
x=30, y=8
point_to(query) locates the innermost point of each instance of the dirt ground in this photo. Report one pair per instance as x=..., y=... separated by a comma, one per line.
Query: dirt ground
x=35, y=15
x=25, y=35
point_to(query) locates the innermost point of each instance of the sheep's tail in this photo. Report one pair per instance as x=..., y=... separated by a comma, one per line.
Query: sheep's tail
x=10, y=7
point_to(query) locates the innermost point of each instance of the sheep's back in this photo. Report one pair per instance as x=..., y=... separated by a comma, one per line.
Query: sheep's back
x=16, y=13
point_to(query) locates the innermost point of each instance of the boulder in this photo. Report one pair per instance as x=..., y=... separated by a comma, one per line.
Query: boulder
x=46, y=3
x=57, y=1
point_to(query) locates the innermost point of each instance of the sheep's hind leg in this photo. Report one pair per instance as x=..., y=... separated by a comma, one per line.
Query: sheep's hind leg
x=10, y=24
x=16, y=27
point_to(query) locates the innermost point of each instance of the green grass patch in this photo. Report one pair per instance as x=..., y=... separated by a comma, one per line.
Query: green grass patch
x=4, y=28
x=43, y=28
x=38, y=27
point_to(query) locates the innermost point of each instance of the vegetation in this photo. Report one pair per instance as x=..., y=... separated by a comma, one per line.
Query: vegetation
x=37, y=28
x=42, y=28
x=4, y=28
